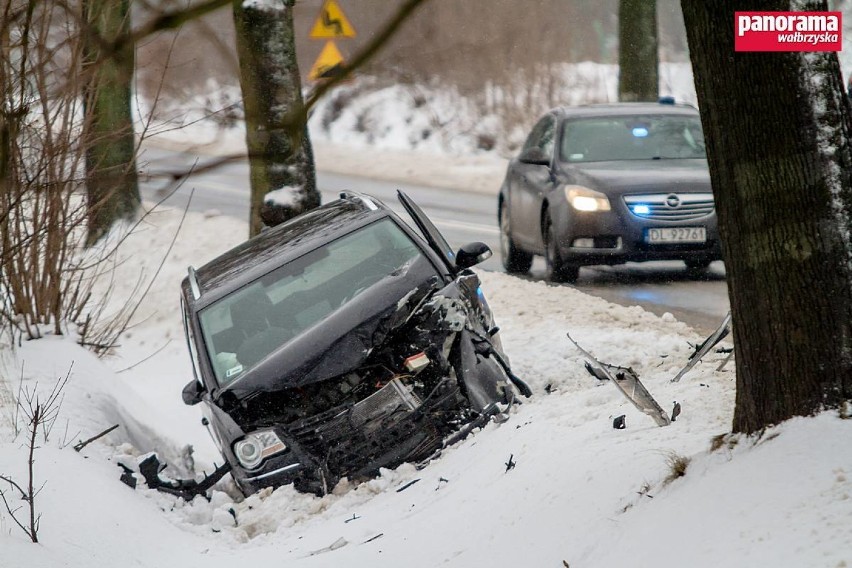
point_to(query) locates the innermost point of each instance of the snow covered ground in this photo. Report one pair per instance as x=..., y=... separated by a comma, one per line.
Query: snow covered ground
x=580, y=492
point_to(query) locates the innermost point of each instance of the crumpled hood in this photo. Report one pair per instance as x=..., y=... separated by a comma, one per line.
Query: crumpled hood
x=338, y=344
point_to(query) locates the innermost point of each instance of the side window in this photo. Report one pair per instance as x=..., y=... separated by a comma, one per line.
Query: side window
x=542, y=136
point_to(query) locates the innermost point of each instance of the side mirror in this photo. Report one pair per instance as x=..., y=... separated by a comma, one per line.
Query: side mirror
x=534, y=156
x=472, y=254
x=192, y=393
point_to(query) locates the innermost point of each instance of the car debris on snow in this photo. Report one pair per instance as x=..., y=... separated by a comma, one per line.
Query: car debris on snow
x=705, y=346
x=626, y=380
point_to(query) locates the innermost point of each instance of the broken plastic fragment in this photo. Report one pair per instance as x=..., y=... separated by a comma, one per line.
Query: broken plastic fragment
x=705, y=347
x=626, y=380
x=416, y=363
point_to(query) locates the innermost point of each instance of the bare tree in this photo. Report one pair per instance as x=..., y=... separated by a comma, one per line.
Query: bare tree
x=638, y=58
x=280, y=158
x=777, y=128
x=40, y=416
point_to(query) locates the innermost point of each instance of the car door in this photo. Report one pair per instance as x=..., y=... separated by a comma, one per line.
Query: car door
x=433, y=236
x=534, y=181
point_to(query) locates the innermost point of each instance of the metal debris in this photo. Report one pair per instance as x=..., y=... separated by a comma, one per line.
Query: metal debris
x=407, y=485
x=626, y=380
x=704, y=348
x=511, y=463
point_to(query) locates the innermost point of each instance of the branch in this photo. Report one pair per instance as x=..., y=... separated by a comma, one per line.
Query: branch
x=9, y=509
x=166, y=21
x=15, y=485
x=80, y=445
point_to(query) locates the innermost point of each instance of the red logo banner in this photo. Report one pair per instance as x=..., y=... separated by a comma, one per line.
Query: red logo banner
x=788, y=31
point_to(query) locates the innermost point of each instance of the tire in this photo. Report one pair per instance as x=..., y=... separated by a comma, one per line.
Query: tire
x=697, y=263
x=515, y=261
x=557, y=270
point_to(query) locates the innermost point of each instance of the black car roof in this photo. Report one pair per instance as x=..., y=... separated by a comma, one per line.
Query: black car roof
x=276, y=246
x=624, y=109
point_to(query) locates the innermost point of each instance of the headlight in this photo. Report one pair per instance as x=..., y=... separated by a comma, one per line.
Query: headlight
x=258, y=446
x=585, y=199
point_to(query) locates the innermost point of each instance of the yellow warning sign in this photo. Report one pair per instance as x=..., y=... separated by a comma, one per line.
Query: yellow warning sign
x=328, y=64
x=331, y=22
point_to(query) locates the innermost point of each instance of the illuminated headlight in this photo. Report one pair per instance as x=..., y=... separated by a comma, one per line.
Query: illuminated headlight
x=258, y=446
x=585, y=199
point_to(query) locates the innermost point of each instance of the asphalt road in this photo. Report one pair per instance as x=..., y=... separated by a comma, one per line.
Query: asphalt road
x=700, y=300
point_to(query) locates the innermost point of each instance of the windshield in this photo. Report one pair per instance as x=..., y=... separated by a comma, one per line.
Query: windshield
x=605, y=139
x=240, y=330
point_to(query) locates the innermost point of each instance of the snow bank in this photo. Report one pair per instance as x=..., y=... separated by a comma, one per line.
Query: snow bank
x=556, y=482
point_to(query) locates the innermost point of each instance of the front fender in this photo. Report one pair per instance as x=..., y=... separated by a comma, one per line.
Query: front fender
x=480, y=375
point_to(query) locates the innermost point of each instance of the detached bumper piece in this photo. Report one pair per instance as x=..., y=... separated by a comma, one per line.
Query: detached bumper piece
x=150, y=467
x=704, y=348
x=628, y=383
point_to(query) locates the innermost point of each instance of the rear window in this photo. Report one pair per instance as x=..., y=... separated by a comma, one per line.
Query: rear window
x=240, y=330
x=605, y=139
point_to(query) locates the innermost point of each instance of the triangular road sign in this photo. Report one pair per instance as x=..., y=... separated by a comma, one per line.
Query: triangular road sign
x=328, y=61
x=332, y=22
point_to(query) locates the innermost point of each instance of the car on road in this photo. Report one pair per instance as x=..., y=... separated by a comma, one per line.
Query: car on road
x=340, y=342
x=608, y=184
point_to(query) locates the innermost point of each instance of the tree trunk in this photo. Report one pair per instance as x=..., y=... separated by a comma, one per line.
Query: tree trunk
x=637, y=51
x=112, y=186
x=777, y=128
x=280, y=158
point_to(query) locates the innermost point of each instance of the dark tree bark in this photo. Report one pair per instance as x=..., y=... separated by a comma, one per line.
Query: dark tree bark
x=279, y=160
x=638, y=58
x=111, y=180
x=777, y=128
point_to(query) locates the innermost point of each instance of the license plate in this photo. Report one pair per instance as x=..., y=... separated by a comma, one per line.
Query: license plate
x=676, y=235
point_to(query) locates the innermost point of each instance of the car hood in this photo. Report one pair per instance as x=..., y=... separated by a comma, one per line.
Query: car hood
x=633, y=176
x=339, y=343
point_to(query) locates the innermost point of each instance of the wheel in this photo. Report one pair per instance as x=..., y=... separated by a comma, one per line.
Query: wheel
x=514, y=259
x=557, y=270
x=697, y=263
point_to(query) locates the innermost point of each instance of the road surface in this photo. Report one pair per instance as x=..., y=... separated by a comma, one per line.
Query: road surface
x=701, y=301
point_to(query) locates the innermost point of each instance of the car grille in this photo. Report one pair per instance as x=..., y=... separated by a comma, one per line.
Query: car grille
x=670, y=206
x=344, y=441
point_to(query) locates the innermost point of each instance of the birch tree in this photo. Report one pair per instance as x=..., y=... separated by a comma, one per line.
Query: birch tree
x=281, y=164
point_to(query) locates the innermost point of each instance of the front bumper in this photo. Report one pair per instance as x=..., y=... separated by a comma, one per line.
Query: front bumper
x=618, y=236
x=352, y=442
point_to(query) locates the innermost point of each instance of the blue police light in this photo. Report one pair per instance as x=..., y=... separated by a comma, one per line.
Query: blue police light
x=640, y=131
x=641, y=209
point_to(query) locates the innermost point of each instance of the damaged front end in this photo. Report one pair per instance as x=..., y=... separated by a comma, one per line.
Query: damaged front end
x=389, y=390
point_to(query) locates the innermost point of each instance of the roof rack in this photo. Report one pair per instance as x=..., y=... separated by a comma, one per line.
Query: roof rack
x=359, y=197
x=193, y=283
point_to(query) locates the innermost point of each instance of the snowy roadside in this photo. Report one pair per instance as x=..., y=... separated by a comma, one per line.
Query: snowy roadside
x=477, y=173
x=580, y=491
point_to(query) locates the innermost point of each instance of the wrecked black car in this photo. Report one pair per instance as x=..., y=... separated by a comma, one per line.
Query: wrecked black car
x=341, y=342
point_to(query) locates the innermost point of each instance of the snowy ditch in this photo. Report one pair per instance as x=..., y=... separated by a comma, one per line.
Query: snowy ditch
x=556, y=482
